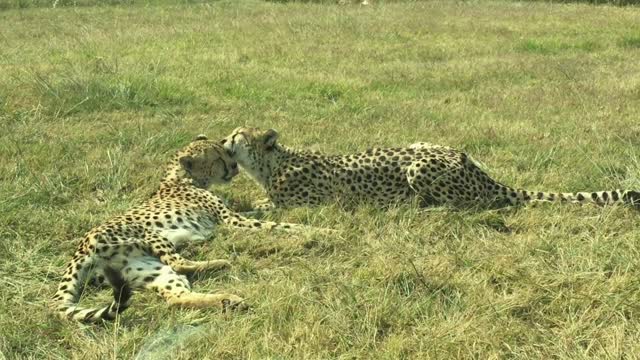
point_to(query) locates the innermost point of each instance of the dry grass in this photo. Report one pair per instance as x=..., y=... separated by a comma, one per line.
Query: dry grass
x=93, y=99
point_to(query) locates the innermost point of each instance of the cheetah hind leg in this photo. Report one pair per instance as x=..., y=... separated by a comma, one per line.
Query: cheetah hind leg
x=98, y=279
x=181, y=265
x=150, y=273
x=188, y=266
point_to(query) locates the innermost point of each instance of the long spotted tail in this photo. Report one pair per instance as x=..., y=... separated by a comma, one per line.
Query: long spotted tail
x=518, y=196
x=69, y=290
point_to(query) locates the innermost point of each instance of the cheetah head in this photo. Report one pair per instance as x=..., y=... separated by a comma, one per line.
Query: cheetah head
x=207, y=162
x=252, y=148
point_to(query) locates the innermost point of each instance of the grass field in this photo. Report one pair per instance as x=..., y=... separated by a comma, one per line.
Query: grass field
x=546, y=97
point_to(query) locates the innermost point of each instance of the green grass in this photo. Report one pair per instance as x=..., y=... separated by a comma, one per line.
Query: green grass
x=546, y=96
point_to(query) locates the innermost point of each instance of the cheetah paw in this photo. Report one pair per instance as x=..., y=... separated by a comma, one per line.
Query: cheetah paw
x=234, y=303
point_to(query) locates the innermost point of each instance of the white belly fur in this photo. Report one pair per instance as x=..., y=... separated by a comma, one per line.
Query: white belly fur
x=178, y=236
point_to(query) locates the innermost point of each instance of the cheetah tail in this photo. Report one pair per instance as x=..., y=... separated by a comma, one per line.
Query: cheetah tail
x=627, y=197
x=121, y=299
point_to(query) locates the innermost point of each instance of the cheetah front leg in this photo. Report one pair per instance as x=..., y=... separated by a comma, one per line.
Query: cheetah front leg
x=161, y=247
x=263, y=205
x=236, y=220
x=239, y=221
x=258, y=207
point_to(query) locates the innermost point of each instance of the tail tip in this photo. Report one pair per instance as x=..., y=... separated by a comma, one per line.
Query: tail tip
x=632, y=197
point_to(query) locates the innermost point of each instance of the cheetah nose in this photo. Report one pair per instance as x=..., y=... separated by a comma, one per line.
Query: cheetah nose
x=234, y=169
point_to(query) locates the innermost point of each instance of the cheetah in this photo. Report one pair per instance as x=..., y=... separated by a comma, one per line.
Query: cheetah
x=430, y=174
x=137, y=250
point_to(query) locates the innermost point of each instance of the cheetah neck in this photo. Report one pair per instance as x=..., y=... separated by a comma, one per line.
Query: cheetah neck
x=263, y=170
x=282, y=156
x=175, y=176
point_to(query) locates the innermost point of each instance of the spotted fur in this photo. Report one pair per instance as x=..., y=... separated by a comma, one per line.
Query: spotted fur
x=138, y=249
x=432, y=174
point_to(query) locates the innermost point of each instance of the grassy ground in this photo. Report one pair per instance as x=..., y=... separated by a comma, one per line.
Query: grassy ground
x=94, y=99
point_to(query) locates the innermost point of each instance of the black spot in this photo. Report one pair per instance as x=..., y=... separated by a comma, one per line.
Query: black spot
x=580, y=197
x=149, y=279
x=605, y=196
x=594, y=196
x=540, y=195
x=614, y=195
x=168, y=287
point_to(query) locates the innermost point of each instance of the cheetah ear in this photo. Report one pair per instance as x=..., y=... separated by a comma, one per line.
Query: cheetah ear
x=187, y=163
x=201, y=137
x=270, y=138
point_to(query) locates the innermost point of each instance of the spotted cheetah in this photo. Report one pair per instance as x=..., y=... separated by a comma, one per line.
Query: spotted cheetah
x=137, y=250
x=430, y=174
